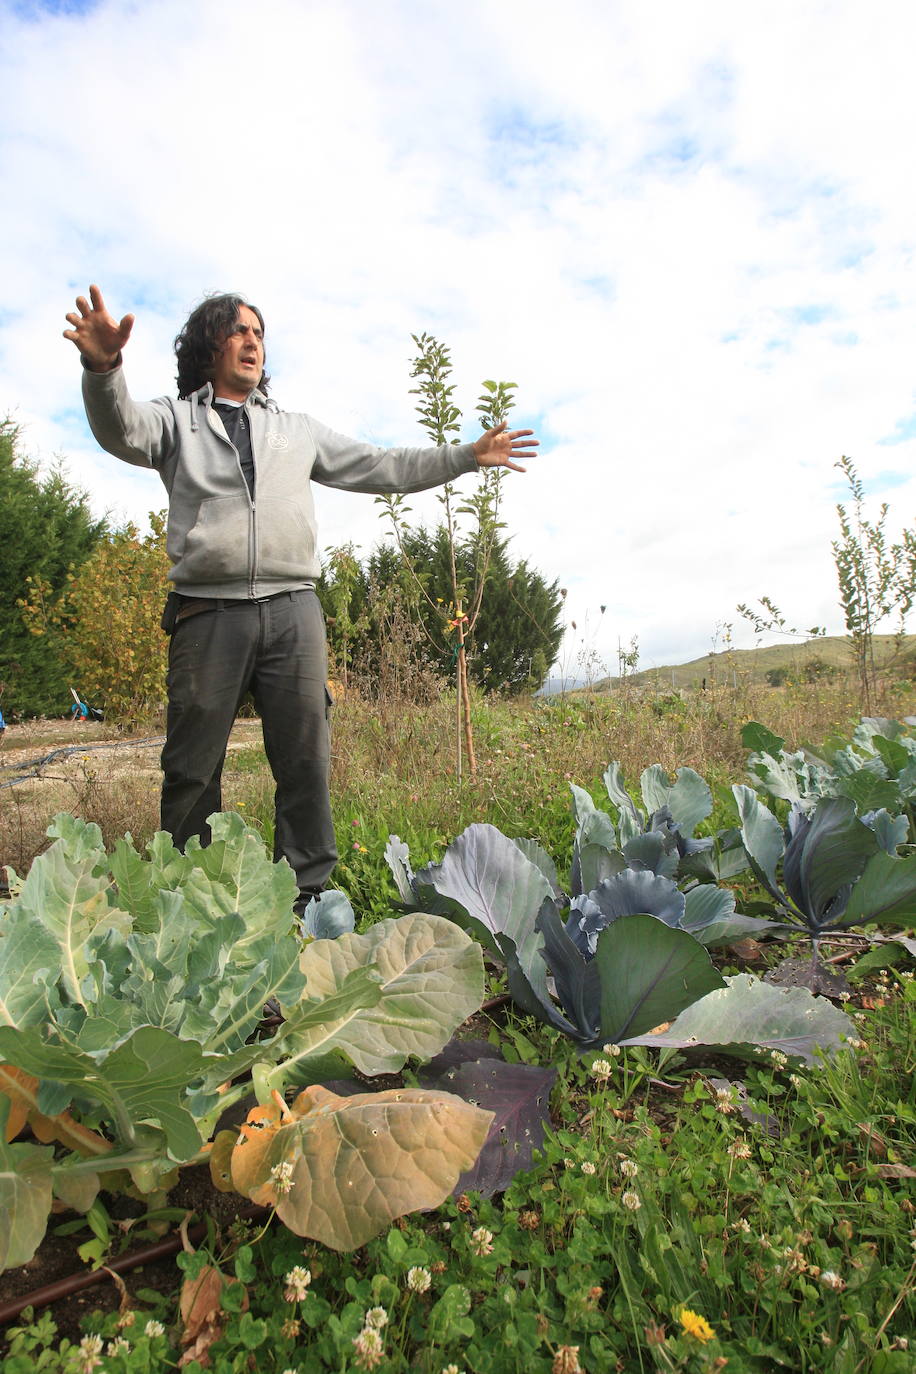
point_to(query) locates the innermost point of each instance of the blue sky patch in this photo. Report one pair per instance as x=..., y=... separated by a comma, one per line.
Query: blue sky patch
x=904, y=430
x=42, y=9
x=809, y=314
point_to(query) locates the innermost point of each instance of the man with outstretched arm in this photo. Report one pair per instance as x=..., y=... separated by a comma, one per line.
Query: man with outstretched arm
x=242, y=540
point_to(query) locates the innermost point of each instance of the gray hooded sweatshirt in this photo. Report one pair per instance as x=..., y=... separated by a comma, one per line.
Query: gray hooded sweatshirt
x=221, y=541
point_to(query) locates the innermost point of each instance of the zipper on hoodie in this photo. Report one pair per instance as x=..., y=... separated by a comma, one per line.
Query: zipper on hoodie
x=252, y=523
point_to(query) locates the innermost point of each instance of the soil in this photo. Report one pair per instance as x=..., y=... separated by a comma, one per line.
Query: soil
x=89, y=768
x=49, y=751
x=58, y=1258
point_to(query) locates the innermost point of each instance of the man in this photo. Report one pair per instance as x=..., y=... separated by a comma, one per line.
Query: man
x=242, y=541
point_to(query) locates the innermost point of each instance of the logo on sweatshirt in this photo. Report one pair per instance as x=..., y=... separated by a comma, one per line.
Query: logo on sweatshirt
x=277, y=441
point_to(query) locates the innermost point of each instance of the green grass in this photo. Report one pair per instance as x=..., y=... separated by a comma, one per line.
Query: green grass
x=788, y=1241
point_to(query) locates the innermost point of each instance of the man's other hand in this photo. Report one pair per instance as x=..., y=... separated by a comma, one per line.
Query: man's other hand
x=498, y=447
x=97, y=335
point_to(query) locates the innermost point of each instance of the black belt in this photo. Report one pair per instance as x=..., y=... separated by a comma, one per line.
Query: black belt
x=196, y=605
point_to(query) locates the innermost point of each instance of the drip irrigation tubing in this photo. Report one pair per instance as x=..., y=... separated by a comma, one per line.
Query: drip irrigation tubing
x=122, y=1264
x=32, y=767
x=149, y=1254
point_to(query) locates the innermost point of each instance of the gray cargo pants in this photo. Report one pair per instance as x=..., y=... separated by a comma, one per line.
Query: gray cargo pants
x=276, y=650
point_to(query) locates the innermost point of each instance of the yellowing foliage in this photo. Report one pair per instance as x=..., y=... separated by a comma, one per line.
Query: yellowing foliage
x=109, y=617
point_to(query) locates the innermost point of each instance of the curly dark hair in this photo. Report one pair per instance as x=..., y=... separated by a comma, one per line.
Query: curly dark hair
x=207, y=328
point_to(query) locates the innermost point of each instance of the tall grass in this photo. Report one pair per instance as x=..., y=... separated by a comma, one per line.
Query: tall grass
x=394, y=765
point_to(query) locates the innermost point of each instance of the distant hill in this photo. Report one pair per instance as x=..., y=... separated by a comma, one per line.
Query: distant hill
x=797, y=660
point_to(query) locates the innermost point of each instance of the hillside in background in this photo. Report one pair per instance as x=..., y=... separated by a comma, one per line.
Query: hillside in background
x=798, y=661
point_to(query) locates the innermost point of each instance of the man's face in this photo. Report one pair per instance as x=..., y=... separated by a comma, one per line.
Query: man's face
x=239, y=363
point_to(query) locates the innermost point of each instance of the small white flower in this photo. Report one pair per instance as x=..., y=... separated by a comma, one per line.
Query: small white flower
x=369, y=1348
x=588, y=1167
x=613, y=1050
x=282, y=1175
x=631, y=1201
x=831, y=1280
x=482, y=1241
x=297, y=1282
x=376, y=1317
x=89, y=1354
x=602, y=1069
x=418, y=1279
x=725, y=1103
x=629, y=1168
x=153, y=1329
x=739, y=1149
x=119, y=1346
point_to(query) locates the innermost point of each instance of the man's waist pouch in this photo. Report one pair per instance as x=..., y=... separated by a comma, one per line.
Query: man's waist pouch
x=179, y=607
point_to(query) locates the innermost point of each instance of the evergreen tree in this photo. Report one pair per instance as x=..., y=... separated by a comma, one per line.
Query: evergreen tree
x=47, y=531
x=514, y=641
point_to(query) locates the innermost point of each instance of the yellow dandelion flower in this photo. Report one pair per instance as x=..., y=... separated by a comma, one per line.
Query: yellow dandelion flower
x=695, y=1325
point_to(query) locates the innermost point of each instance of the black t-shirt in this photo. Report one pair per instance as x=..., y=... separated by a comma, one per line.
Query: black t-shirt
x=235, y=423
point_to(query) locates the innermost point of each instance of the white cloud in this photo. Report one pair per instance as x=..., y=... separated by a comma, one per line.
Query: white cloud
x=686, y=231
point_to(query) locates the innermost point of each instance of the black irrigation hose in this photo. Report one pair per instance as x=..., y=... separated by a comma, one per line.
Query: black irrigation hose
x=134, y=1259
x=30, y=769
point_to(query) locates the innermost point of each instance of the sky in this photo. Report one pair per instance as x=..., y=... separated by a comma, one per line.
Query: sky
x=684, y=228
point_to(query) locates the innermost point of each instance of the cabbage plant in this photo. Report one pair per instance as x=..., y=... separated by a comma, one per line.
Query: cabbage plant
x=876, y=769
x=660, y=838
x=131, y=994
x=618, y=962
x=830, y=869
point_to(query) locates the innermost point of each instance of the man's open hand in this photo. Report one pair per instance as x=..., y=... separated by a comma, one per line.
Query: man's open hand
x=97, y=335
x=498, y=447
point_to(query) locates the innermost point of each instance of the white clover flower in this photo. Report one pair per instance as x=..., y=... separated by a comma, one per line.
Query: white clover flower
x=831, y=1280
x=297, y=1282
x=613, y=1050
x=153, y=1329
x=376, y=1317
x=89, y=1354
x=725, y=1103
x=369, y=1348
x=739, y=1149
x=418, y=1279
x=602, y=1069
x=119, y=1346
x=282, y=1175
x=742, y=1225
x=452, y=1369
x=631, y=1201
x=778, y=1059
x=588, y=1167
x=629, y=1168
x=482, y=1241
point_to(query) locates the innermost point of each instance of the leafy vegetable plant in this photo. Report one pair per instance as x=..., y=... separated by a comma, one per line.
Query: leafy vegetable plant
x=131, y=992
x=622, y=964
x=876, y=769
x=838, y=870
